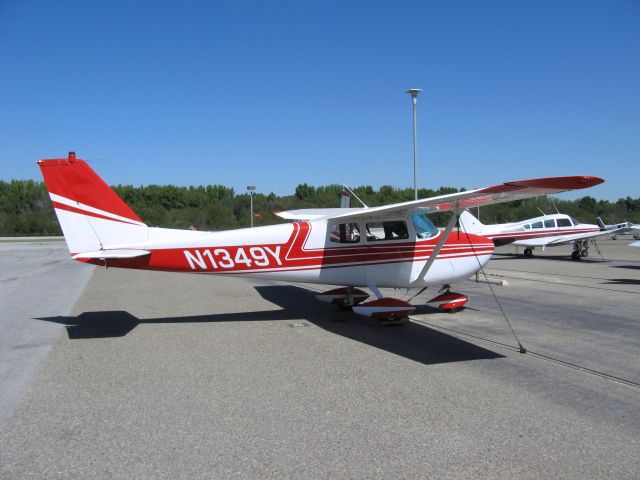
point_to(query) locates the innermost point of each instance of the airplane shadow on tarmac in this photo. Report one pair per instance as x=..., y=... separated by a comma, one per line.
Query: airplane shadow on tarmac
x=413, y=341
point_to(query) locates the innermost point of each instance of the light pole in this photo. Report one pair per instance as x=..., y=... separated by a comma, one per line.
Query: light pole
x=414, y=99
x=251, y=189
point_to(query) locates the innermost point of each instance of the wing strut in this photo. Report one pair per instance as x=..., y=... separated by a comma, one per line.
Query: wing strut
x=443, y=239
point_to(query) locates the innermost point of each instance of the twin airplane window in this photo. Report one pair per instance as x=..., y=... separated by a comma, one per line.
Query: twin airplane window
x=550, y=223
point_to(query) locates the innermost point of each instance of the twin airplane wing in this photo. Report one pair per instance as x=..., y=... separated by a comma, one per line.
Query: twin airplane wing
x=562, y=239
x=505, y=192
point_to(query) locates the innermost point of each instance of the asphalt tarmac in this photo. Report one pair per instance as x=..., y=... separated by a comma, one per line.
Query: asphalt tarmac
x=159, y=375
x=36, y=279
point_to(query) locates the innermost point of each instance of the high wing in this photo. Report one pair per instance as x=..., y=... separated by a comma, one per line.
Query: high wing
x=313, y=213
x=505, y=192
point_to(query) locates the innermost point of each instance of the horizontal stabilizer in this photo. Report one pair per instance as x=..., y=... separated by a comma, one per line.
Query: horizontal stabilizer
x=121, y=253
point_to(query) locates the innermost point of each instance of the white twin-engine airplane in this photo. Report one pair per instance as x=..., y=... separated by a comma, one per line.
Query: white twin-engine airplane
x=389, y=246
x=545, y=231
x=620, y=228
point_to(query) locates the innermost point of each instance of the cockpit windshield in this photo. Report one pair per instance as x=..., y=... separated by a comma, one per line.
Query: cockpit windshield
x=575, y=222
x=424, y=227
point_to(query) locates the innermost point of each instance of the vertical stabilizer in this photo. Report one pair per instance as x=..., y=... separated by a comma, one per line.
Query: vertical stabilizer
x=345, y=201
x=91, y=214
x=470, y=224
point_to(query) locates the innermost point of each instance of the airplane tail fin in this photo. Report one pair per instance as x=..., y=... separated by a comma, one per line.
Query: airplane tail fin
x=92, y=216
x=600, y=223
x=470, y=224
x=345, y=201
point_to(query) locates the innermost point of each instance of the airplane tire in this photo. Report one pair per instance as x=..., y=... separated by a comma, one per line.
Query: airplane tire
x=576, y=255
x=528, y=252
x=584, y=253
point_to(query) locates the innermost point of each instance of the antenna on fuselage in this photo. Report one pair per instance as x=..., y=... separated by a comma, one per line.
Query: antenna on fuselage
x=541, y=211
x=554, y=205
x=354, y=194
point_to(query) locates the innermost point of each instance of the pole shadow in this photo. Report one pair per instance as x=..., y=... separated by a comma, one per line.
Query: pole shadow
x=412, y=341
x=562, y=258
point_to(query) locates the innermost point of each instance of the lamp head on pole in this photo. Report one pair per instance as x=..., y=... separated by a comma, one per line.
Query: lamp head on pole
x=414, y=93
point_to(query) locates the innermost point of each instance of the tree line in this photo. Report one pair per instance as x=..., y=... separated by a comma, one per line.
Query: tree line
x=25, y=208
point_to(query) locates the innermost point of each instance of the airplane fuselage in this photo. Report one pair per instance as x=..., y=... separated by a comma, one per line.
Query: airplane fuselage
x=314, y=252
x=529, y=233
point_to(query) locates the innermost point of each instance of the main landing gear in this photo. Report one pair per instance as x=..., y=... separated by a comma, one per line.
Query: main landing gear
x=450, y=301
x=580, y=249
x=345, y=297
x=387, y=309
x=528, y=252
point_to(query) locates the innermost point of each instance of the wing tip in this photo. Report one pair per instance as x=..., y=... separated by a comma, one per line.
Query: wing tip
x=560, y=184
x=576, y=182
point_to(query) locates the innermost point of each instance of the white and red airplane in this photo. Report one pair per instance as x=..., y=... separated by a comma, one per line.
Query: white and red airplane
x=389, y=246
x=544, y=231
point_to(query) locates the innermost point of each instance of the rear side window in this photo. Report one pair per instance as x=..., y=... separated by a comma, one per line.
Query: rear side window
x=527, y=226
x=381, y=231
x=344, y=233
x=564, y=222
x=536, y=224
x=549, y=223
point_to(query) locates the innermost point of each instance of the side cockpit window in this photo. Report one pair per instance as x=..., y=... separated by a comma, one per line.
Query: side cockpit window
x=344, y=233
x=393, y=230
x=424, y=227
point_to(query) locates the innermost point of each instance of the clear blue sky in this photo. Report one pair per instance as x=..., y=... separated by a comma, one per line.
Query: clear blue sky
x=280, y=93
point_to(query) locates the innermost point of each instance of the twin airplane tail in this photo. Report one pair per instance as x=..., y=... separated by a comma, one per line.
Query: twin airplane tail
x=92, y=216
